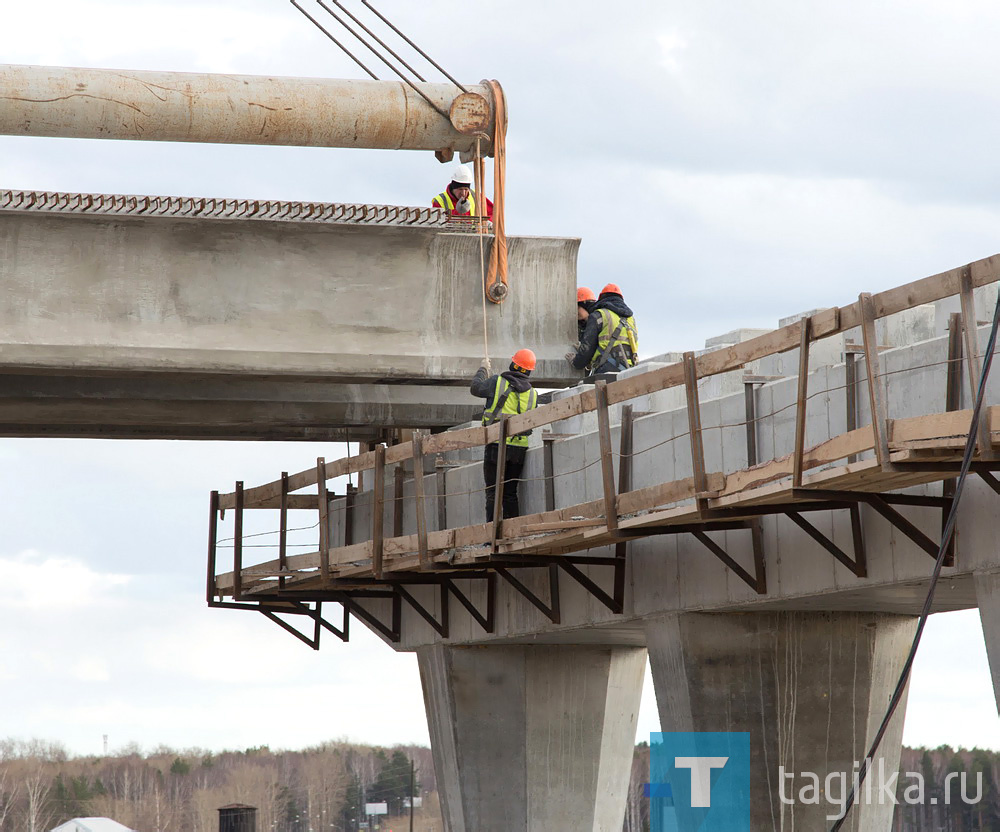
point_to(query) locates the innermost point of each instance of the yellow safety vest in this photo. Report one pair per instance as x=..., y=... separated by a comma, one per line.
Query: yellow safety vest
x=616, y=332
x=444, y=201
x=505, y=400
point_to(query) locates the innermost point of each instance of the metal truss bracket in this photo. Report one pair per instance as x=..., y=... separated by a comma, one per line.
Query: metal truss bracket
x=297, y=608
x=488, y=621
x=757, y=582
x=615, y=603
x=392, y=632
x=550, y=610
x=440, y=627
x=883, y=504
x=859, y=563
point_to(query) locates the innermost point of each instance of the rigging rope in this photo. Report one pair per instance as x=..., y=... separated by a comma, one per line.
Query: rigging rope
x=481, y=217
x=497, y=277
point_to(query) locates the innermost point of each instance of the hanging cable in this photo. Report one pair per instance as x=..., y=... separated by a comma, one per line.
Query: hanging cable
x=425, y=56
x=378, y=40
x=385, y=60
x=946, y=537
x=331, y=37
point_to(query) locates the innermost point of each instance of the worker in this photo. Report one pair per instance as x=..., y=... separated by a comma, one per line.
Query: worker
x=610, y=341
x=458, y=199
x=508, y=393
x=585, y=300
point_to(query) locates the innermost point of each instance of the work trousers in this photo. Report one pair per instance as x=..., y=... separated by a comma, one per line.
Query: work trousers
x=513, y=466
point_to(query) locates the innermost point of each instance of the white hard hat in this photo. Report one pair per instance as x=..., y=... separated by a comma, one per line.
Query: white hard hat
x=462, y=174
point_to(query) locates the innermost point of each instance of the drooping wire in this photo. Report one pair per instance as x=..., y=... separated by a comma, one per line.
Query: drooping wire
x=946, y=537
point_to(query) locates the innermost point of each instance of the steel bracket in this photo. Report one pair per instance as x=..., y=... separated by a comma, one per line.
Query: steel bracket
x=756, y=582
x=550, y=610
x=440, y=627
x=488, y=621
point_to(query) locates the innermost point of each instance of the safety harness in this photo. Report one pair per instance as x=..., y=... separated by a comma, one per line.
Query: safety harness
x=611, y=343
x=506, y=400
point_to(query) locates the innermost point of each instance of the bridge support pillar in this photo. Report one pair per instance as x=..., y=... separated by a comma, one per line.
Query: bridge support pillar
x=810, y=688
x=532, y=737
x=988, y=598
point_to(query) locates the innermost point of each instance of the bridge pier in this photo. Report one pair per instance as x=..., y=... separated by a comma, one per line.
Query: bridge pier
x=532, y=737
x=810, y=688
x=988, y=598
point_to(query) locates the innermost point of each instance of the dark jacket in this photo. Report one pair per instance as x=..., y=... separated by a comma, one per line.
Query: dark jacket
x=485, y=386
x=582, y=325
x=591, y=333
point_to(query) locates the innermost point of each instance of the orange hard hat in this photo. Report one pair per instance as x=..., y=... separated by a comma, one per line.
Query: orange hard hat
x=611, y=289
x=583, y=293
x=525, y=359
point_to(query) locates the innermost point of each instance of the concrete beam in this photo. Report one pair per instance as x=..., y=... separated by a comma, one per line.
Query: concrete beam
x=811, y=689
x=530, y=738
x=180, y=407
x=254, y=298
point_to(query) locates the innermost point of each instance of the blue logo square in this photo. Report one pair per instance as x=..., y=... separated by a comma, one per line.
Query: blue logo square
x=699, y=782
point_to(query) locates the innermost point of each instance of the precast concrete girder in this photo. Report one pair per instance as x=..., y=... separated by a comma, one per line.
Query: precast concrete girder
x=179, y=407
x=242, y=109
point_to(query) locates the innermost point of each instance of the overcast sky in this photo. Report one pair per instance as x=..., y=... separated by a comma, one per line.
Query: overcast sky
x=726, y=163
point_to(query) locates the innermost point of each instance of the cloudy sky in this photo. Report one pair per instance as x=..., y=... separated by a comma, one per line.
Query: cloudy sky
x=727, y=163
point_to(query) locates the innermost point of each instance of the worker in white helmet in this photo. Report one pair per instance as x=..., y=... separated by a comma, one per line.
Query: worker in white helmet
x=458, y=199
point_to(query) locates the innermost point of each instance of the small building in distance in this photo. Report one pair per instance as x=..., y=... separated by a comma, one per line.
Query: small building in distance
x=91, y=825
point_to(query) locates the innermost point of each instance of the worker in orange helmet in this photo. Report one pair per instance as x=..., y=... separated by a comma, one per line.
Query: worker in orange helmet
x=585, y=300
x=508, y=393
x=458, y=199
x=610, y=341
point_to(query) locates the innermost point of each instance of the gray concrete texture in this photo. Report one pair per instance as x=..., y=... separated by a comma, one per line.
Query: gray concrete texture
x=532, y=738
x=208, y=324
x=811, y=689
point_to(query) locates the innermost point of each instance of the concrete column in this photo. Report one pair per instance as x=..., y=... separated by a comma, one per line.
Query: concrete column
x=810, y=688
x=531, y=738
x=988, y=598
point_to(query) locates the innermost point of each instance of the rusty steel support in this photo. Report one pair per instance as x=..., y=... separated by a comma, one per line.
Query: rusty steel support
x=238, y=544
x=550, y=610
x=242, y=109
x=439, y=627
x=213, y=532
x=283, y=528
x=487, y=621
x=857, y=564
x=801, y=404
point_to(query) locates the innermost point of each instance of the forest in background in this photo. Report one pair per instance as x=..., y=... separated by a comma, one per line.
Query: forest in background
x=323, y=788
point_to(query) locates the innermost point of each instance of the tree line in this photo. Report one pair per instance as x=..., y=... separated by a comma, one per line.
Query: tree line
x=323, y=787
x=326, y=786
